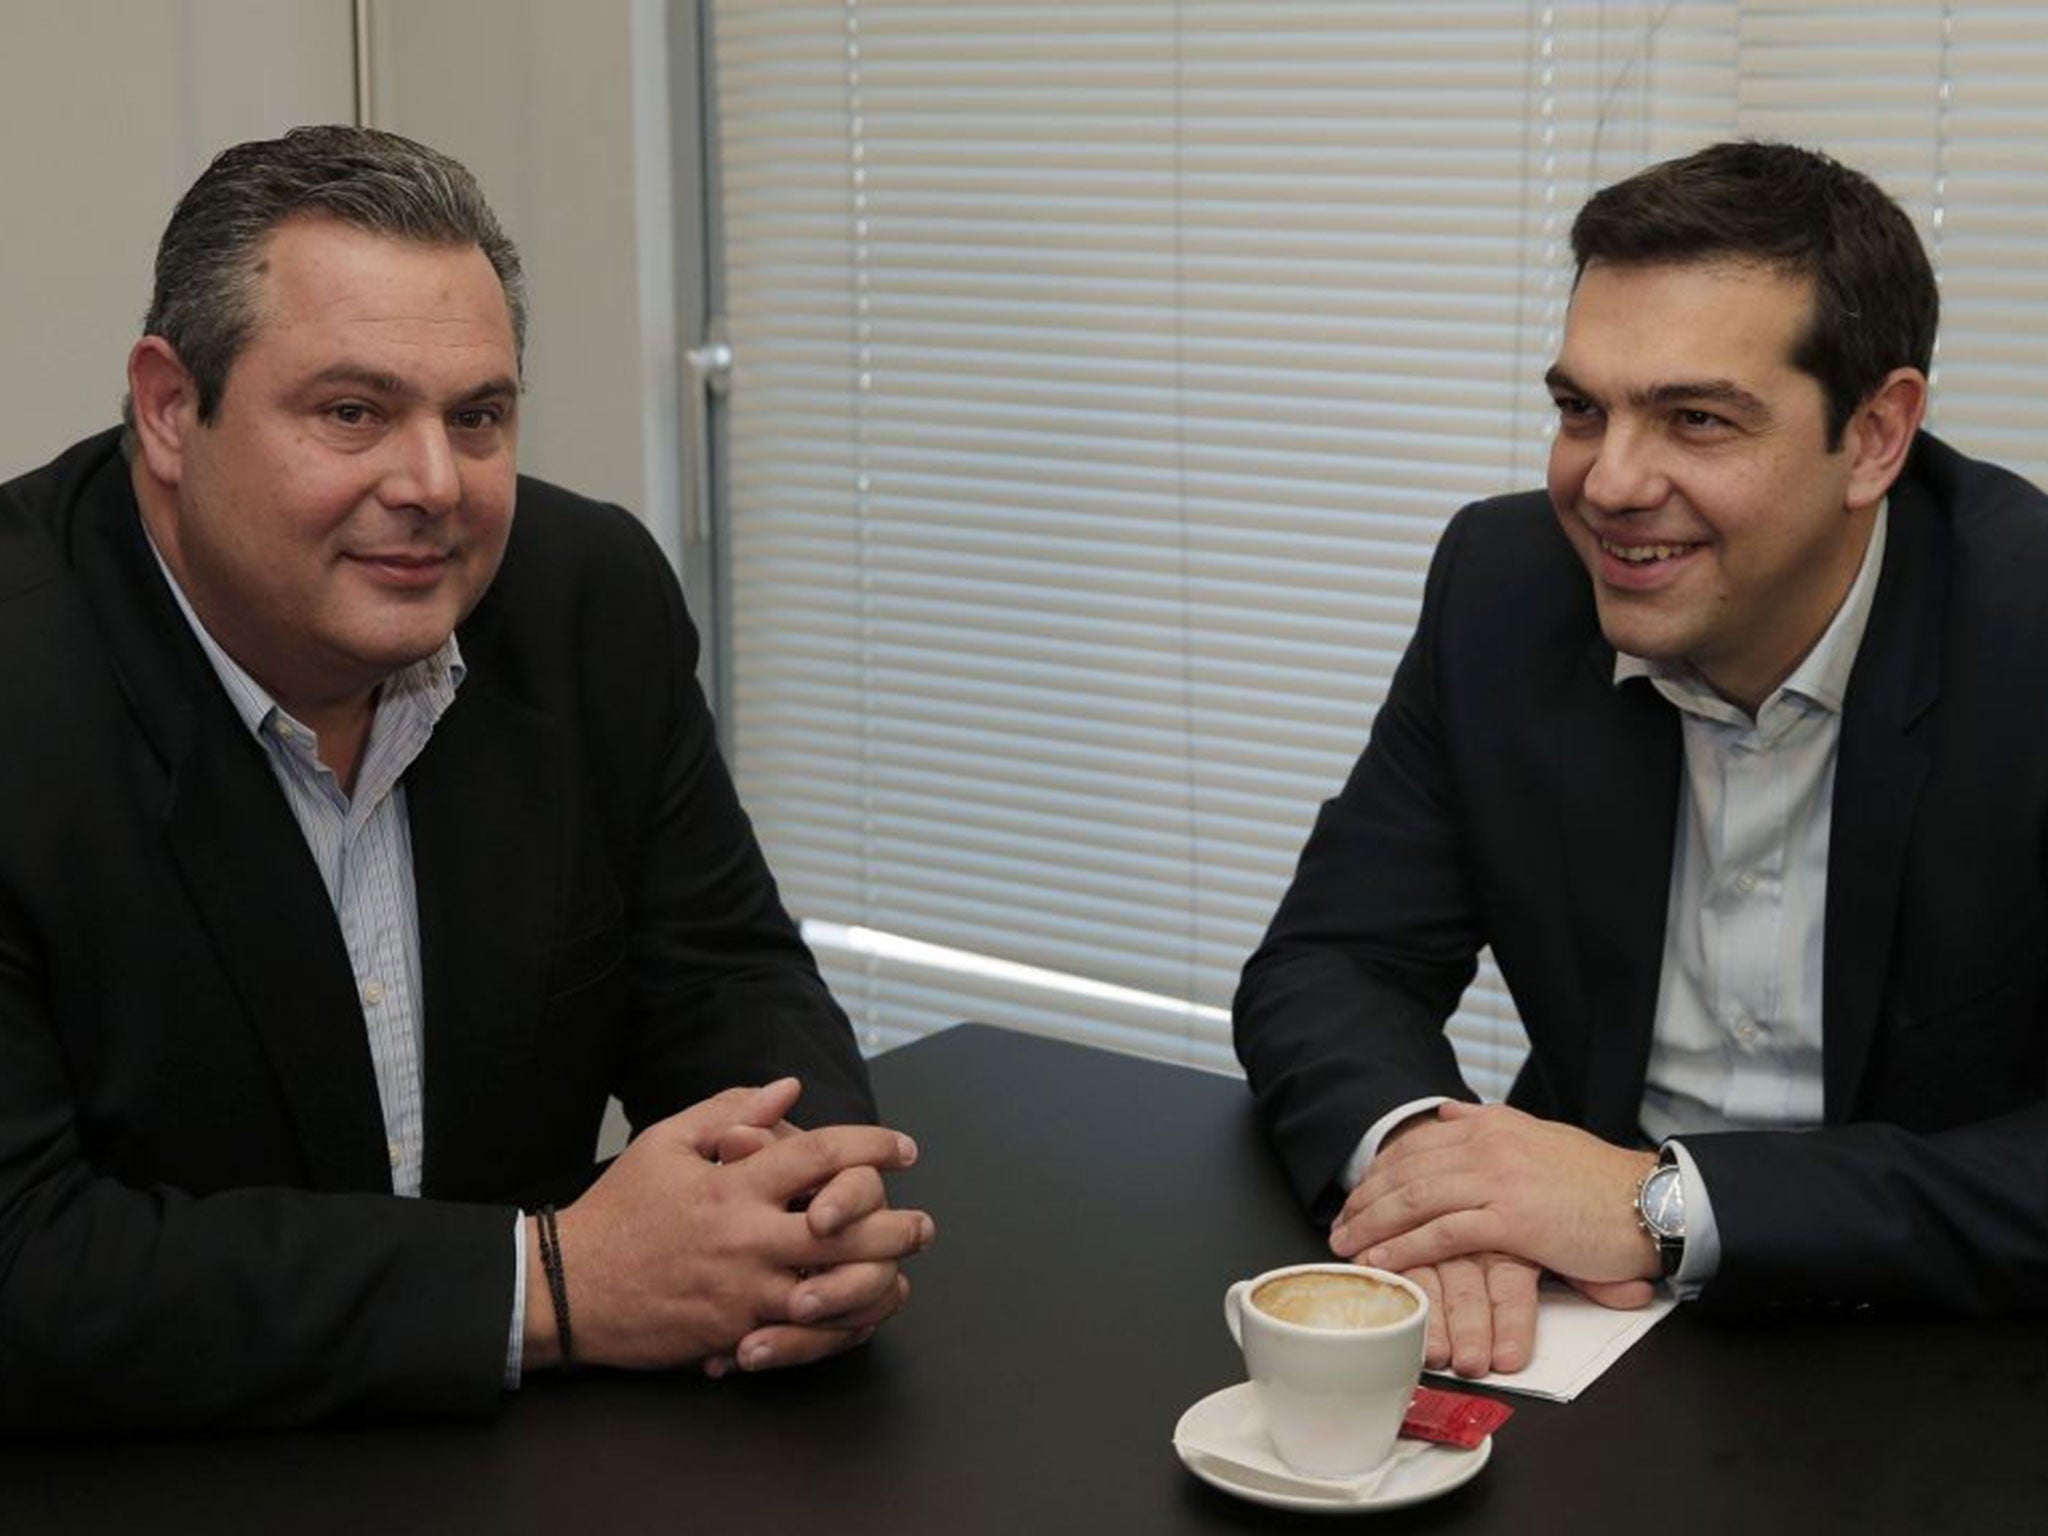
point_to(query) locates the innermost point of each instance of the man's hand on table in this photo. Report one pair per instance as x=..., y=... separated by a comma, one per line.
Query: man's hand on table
x=723, y=1234
x=1476, y=1202
x=841, y=1305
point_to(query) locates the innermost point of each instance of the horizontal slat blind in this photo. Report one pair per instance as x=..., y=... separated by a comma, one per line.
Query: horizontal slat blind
x=1104, y=376
x=1947, y=106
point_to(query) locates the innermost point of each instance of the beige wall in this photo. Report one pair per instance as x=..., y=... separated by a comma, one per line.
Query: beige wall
x=108, y=109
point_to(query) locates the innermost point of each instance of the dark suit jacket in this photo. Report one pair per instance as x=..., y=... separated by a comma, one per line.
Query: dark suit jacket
x=196, y=1223
x=1511, y=795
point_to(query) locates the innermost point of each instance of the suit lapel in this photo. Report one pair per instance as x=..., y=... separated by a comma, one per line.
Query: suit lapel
x=1616, y=760
x=246, y=865
x=1878, y=772
x=486, y=808
x=243, y=860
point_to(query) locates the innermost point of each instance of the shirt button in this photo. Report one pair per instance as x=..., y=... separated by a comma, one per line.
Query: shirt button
x=373, y=992
x=1747, y=1035
x=391, y=1149
x=1746, y=882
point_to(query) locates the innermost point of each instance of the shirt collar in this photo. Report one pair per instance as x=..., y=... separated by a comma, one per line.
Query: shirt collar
x=430, y=682
x=1822, y=675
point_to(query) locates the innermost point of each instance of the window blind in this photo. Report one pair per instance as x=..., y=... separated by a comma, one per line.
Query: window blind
x=1103, y=376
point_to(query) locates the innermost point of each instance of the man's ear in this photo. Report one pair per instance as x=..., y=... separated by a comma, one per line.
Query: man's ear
x=1880, y=434
x=164, y=399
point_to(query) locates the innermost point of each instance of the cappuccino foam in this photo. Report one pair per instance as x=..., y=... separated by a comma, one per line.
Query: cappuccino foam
x=1324, y=1298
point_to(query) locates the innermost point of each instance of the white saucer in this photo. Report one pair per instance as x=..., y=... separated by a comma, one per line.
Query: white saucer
x=1222, y=1440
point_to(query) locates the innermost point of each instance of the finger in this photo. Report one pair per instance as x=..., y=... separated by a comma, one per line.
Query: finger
x=740, y=1141
x=784, y=1344
x=885, y=1234
x=1347, y=1240
x=849, y=1196
x=1468, y=1316
x=701, y=1123
x=1436, y=1347
x=1347, y=1232
x=716, y=1366
x=1453, y=1235
x=1623, y=1295
x=826, y=1296
x=1354, y=1203
x=1354, y=1231
x=1422, y=1196
x=1511, y=1286
x=808, y=1160
x=849, y=1296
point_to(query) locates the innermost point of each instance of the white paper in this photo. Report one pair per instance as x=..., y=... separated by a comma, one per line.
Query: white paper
x=1576, y=1340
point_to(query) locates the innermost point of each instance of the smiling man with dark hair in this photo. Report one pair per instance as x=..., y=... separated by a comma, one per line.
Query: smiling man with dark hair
x=1731, y=747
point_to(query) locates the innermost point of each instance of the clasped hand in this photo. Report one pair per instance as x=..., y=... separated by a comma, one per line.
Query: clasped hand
x=724, y=1235
x=1476, y=1202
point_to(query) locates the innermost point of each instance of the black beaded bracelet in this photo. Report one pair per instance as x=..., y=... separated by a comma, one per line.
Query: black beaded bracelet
x=558, y=1285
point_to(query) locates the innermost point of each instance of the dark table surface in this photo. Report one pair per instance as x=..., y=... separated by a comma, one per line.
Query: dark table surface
x=1091, y=1209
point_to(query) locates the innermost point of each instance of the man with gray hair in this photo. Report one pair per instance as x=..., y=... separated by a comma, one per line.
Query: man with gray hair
x=358, y=838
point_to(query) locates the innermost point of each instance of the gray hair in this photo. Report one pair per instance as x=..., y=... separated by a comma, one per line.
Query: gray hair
x=204, y=300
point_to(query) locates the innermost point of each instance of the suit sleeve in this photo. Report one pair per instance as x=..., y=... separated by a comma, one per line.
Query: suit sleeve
x=147, y=1308
x=1339, y=1016
x=1955, y=1220
x=726, y=991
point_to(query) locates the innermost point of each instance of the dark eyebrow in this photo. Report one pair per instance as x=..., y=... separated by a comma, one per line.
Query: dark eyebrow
x=371, y=379
x=492, y=389
x=378, y=382
x=1722, y=392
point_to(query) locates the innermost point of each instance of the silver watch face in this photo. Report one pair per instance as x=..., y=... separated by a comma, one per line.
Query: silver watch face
x=1664, y=1202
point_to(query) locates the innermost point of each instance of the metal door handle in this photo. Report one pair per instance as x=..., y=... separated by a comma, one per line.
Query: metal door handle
x=707, y=370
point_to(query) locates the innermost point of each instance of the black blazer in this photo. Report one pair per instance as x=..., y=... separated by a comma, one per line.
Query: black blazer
x=196, y=1218
x=1511, y=795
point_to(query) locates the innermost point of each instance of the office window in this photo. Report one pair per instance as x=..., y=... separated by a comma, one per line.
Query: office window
x=1104, y=374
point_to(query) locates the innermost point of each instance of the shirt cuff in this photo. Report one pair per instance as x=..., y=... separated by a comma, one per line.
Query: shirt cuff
x=515, y=1341
x=1369, y=1145
x=1702, y=1259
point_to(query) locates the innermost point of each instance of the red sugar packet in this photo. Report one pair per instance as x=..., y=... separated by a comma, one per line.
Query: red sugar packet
x=1453, y=1418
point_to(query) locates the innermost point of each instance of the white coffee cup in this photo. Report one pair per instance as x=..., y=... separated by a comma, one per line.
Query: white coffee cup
x=1336, y=1381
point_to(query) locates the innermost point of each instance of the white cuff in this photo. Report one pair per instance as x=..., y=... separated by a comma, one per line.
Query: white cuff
x=1702, y=1260
x=515, y=1342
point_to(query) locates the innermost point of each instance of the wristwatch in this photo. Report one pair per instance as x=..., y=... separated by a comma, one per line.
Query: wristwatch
x=1660, y=1210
